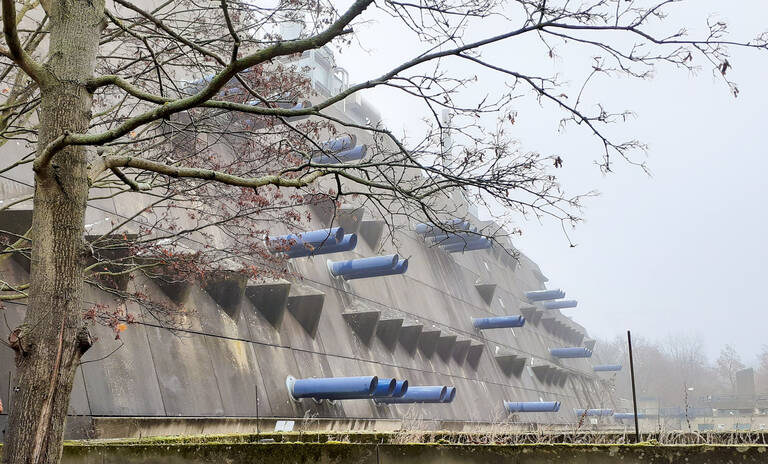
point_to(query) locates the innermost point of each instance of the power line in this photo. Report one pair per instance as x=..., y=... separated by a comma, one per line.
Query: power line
x=304, y=350
x=362, y=297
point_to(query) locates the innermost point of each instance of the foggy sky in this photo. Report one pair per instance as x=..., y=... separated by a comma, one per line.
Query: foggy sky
x=681, y=251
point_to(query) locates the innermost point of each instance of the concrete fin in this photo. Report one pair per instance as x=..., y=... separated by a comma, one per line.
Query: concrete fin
x=474, y=352
x=323, y=208
x=445, y=345
x=114, y=255
x=510, y=362
x=269, y=298
x=388, y=329
x=532, y=314
x=428, y=340
x=410, y=332
x=542, y=372
x=306, y=305
x=176, y=290
x=460, y=349
x=227, y=289
x=363, y=322
x=371, y=232
x=548, y=323
x=486, y=291
x=349, y=219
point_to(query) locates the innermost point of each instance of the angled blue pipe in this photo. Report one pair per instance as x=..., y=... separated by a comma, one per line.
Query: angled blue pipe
x=345, y=142
x=423, y=394
x=313, y=239
x=607, y=368
x=561, y=304
x=358, y=266
x=457, y=237
x=385, y=387
x=628, y=415
x=543, y=295
x=593, y=412
x=532, y=406
x=450, y=394
x=353, y=154
x=349, y=242
x=401, y=387
x=571, y=352
x=400, y=268
x=472, y=246
x=501, y=322
x=334, y=388
x=463, y=241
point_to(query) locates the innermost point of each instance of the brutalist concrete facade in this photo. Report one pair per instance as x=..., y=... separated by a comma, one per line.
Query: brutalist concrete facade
x=242, y=339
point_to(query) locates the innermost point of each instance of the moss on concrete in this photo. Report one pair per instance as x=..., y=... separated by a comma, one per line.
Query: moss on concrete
x=373, y=449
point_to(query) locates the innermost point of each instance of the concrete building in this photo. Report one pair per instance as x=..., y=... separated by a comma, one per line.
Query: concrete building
x=226, y=370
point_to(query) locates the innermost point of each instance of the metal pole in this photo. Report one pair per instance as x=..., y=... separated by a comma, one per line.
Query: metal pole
x=634, y=394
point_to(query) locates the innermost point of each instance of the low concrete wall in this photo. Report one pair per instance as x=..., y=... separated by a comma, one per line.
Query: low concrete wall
x=362, y=453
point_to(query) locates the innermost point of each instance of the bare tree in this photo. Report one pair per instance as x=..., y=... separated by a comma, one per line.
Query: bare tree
x=96, y=92
x=728, y=363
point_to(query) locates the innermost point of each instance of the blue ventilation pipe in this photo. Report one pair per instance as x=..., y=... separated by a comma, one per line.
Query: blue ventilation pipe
x=532, y=406
x=562, y=304
x=593, y=412
x=453, y=238
x=345, y=142
x=543, y=295
x=385, y=387
x=313, y=239
x=483, y=244
x=353, y=154
x=333, y=388
x=501, y=322
x=375, y=266
x=401, y=387
x=628, y=415
x=349, y=242
x=607, y=368
x=428, y=394
x=571, y=352
x=400, y=268
x=430, y=230
x=450, y=394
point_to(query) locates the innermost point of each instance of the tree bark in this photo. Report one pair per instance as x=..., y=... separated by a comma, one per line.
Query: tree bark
x=49, y=343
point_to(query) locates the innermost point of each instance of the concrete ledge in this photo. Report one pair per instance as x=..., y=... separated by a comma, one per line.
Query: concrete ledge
x=269, y=298
x=428, y=341
x=474, y=352
x=306, y=305
x=388, y=329
x=349, y=219
x=371, y=232
x=410, y=332
x=486, y=291
x=363, y=321
x=446, y=344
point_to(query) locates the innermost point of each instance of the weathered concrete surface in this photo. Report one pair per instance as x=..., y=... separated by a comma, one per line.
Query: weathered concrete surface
x=367, y=453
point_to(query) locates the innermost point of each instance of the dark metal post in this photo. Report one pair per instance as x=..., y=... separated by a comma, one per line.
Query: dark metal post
x=634, y=394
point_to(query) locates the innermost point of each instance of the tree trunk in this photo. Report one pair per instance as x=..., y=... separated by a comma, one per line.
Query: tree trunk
x=53, y=337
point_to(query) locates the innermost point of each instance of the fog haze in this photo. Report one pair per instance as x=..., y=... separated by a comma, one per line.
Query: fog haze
x=681, y=251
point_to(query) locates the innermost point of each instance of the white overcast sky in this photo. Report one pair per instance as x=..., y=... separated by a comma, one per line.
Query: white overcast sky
x=680, y=252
